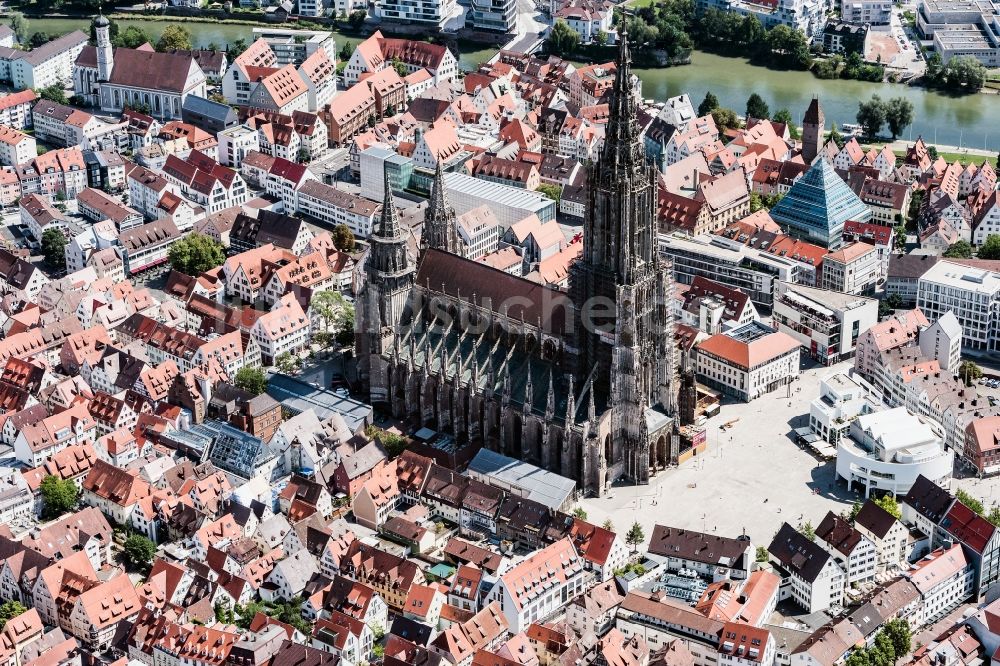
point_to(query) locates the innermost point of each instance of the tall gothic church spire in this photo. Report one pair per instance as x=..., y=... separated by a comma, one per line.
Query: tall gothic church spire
x=385, y=299
x=440, y=221
x=622, y=150
x=620, y=287
x=388, y=244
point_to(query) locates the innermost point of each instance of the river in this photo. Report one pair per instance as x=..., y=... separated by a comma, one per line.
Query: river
x=970, y=121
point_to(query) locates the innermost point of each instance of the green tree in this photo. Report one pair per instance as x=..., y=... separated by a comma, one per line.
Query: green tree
x=959, y=250
x=641, y=33
x=871, y=116
x=399, y=66
x=890, y=505
x=787, y=47
x=899, y=115
x=757, y=108
x=343, y=238
x=287, y=363
x=898, y=631
x=562, y=39
x=132, y=37
x=990, y=249
x=762, y=554
x=54, y=93
x=337, y=315
x=899, y=237
x=994, y=515
x=969, y=501
x=346, y=50
x=235, y=48
x=39, y=39
x=19, y=25
x=807, y=530
x=138, y=552
x=635, y=536
x=393, y=443
x=858, y=657
x=578, y=512
x=246, y=614
x=785, y=116
x=913, y=212
x=725, y=119
x=709, y=104
x=608, y=525
x=356, y=19
x=58, y=496
x=893, y=302
x=252, y=380
x=174, y=37
x=601, y=38
x=553, y=192
x=882, y=652
x=224, y=611
x=836, y=136
x=54, y=248
x=752, y=31
x=196, y=253
x=855, y=510
x=9, y=610
x=960, y=74
x=970, y=372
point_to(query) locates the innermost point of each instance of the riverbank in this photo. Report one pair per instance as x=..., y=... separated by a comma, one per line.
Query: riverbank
x=968, y=120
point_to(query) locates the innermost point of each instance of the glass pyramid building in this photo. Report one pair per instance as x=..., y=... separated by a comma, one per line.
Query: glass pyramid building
x=817, y=205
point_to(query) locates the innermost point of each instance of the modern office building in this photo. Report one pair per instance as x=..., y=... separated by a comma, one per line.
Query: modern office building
x=962, y=27
x=817, y=206
x=827, y=323
x=377, y=161
x=752, y=270
x=841, y=400
x=428, y=12
x=809, y=16
x=872, y=12
x=492, y=15
x=292, y=47
x=973, y=294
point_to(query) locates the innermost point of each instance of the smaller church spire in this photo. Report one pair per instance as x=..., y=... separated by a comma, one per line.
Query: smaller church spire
x=591, y=409
x=389, y=223
x=491, y=375
x=570, y=403
x=444, y=357
x=550, y=399
x=474, y=377
x=440, y=220
x=529, y=390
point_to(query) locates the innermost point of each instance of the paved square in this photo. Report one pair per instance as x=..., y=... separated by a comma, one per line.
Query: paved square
x=752, y=477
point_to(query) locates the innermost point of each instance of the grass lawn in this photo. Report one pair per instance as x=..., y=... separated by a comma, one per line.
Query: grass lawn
x=639, y=3
x=965, y=158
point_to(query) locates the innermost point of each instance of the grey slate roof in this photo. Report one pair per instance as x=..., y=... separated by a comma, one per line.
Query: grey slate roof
x=797, y=553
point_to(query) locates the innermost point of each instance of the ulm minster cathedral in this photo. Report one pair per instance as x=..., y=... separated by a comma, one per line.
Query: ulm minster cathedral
x=580, y=383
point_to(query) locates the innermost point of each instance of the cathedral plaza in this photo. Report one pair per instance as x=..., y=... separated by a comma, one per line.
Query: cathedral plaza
x=723, y=490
